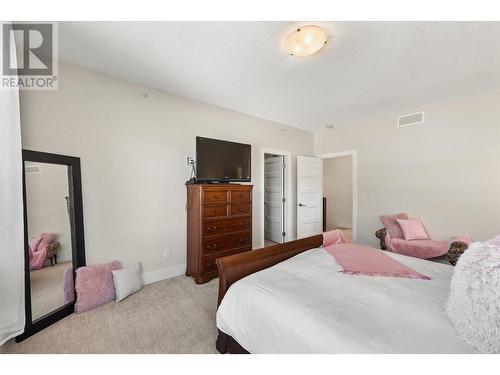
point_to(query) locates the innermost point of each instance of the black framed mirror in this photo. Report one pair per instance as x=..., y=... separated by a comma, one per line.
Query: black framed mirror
x=54, y=237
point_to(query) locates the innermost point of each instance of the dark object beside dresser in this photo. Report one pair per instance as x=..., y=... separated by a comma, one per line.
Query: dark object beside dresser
x=219, y=223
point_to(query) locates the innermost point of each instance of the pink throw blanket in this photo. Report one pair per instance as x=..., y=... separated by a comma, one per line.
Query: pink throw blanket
x=361, y=260
x=37, y=258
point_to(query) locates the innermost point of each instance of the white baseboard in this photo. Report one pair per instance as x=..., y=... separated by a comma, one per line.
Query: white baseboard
x=63, y=258
x=163, y=274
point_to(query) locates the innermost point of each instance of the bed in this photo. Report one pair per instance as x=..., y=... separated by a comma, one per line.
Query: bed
x=291, y=298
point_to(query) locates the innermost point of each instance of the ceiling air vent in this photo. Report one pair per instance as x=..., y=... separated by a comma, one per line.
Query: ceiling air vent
x=32, y=168
x=411, y=119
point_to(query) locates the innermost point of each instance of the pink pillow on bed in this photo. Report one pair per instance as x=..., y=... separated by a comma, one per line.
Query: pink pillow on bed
x=391, y=224
x=94, y=285
x=333, y=237
x=413, y=229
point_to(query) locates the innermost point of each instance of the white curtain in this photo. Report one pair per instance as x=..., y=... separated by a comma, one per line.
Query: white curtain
x=12, y=317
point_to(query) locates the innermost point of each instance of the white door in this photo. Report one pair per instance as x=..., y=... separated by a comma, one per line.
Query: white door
x=309, y=196
x=274, y=198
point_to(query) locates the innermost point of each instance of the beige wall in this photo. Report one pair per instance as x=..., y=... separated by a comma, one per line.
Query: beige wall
x=133, y=153
x=337, y=189
x=46, y=206
x=446, y=170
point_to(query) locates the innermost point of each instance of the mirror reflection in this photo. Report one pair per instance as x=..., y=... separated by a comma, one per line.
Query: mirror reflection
x=49, y=234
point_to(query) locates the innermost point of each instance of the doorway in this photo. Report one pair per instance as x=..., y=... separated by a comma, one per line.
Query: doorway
x=276, y=223
x=340, y=193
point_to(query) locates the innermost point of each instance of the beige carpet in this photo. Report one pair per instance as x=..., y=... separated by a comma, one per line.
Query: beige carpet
x=171, y=316
x=47, y=289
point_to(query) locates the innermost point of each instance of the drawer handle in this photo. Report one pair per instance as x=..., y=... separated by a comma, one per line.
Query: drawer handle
x=243, y=224
x=242, y=240
x=212, y=229
x=241, y=195
x=210, y=247
x=242, y=209
x=216, y=197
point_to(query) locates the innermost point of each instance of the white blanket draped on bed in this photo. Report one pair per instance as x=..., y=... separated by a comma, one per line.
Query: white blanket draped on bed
x=304, y=305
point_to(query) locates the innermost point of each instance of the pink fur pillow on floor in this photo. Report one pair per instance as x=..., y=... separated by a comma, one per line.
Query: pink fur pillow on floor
x=94, y=285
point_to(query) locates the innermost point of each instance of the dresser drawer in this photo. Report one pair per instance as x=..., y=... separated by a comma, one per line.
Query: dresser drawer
x=241, y=209
x=217, y=245
x=241, y=196
x=215, y=196
x=209, y=264
x=213, y=211
x=212, y=228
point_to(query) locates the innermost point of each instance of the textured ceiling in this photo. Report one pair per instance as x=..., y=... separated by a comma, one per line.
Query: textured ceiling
x=365, y=69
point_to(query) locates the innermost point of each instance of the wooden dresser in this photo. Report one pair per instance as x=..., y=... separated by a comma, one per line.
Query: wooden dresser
x=219, y=223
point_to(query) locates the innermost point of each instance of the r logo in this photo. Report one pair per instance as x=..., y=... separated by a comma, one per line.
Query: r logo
x=34, y=42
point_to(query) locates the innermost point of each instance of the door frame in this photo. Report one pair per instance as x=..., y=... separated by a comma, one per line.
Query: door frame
x=354, y=154
x=288, y=192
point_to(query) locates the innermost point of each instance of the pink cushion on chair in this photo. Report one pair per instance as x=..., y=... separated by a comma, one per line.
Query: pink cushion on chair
x=392, y=226
x=94, y=285
x=413, y=229
x=424, y=249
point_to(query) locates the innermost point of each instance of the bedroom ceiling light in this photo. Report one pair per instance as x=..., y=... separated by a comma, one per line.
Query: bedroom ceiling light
x=306, y=40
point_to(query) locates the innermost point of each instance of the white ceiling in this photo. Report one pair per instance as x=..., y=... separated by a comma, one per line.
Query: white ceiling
x=366, y=68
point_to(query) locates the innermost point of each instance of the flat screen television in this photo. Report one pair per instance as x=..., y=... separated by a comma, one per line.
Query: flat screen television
x=222, y=161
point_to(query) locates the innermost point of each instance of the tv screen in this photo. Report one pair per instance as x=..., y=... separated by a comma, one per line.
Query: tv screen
x=222, y=161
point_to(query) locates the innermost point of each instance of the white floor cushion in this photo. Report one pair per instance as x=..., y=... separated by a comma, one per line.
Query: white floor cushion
x=127, y=281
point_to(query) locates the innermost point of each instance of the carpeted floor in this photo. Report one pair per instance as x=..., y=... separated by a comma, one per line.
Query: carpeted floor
x=47, y=289
x=170, y=316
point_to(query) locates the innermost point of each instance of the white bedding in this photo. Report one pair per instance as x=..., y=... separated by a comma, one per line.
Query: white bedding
x=304, y=305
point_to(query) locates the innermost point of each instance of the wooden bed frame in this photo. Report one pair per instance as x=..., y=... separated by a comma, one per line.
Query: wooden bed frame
x=235, y=267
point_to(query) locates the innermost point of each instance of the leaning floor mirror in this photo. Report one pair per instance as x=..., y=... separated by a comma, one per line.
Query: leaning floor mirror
x=54, y=239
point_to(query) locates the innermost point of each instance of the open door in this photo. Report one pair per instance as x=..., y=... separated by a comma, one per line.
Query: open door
x=274, y=202
x=309, y=196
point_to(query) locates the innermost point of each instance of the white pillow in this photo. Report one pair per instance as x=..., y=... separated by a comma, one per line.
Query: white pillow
x=127, y=281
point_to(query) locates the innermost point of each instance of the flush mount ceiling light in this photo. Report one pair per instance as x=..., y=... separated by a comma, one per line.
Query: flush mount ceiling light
x=306, y=40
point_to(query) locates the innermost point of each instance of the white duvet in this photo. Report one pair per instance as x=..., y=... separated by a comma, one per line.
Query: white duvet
x=304, y=305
